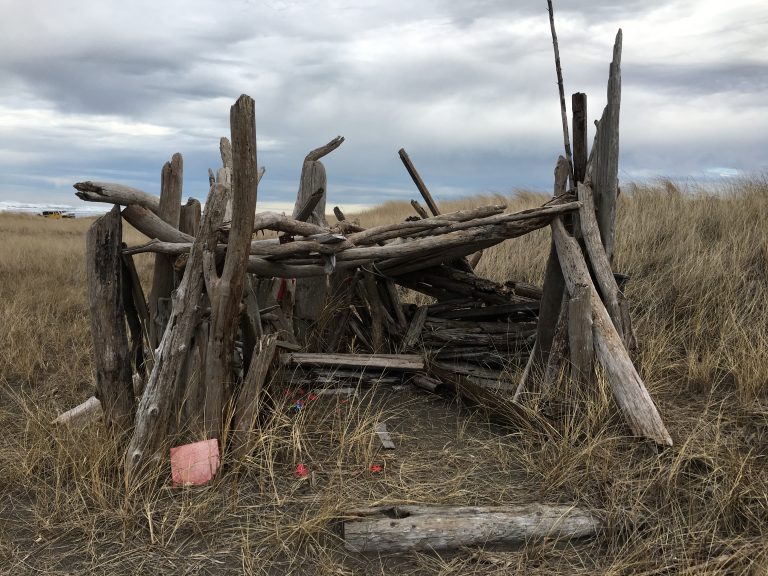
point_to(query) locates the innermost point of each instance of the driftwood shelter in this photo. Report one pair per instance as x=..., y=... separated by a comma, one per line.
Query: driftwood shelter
x=229, y=312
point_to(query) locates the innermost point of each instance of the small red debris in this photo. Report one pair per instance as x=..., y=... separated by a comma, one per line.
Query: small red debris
x=301, y=471
x=312, y=397
x=376, y=468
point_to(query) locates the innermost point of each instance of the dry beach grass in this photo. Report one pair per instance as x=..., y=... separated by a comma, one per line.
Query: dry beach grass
x=698, y=263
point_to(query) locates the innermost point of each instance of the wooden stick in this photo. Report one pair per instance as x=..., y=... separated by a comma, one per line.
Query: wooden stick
x=415, y=328
x=561, y=90
x=374, y=307
x=580, y=138
x=104, y=269
x=84, y=413
x=581, y=344
x=324, y=150
x=419, y=182
x=419, y=209
x=311, y=202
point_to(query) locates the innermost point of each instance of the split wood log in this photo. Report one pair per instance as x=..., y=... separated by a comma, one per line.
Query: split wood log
x=250, y=400
x=163, y=279
x=156, y=403
x=82, y=414
x=404, y=362
x=426, y=383
x=415, y=329
x=226, y=291
x=189, y=220
x=628, y=389
x=104, y=271
x=604, y=172
x=557, y=362
x=384, y=437
x=402, y=528
x=580, y=342
x=116, y=194
x=523, y=310
x=135, y=324
x=554, y=284
x=397, y=306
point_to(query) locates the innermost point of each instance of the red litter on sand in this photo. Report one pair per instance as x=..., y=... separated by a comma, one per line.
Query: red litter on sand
x=301, y=471
x=376, y=468
x=195, y=464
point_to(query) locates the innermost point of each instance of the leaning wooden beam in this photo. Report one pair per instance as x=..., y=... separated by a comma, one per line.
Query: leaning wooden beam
x=419, y=209
x=561, y=90
x=226, y=290
x=116, y=194
x=628, y=389
x=402, y=528
x=405, y=362
x=154, y=409
x=415, y=329
x=419, y=182
x=163, y=282
x=152, y=226
x=104, y=271
x=604, y=172
x=599, y=259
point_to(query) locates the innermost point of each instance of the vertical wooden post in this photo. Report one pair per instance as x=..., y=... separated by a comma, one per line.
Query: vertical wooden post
x=114, y=385
x=604, y=173
x=581, y=345
x=580, y=141
x=163, y=281
x=189, y=219
x=226, y=291
x=311, y=293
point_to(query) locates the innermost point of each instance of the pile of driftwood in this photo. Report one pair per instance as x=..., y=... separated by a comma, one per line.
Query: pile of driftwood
x=233, y=313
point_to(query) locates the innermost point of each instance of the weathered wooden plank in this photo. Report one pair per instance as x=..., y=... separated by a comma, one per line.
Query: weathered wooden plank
x=116, y=194
x=581, y=344
x=405, y=362
x=402, y=528
x=104, y=271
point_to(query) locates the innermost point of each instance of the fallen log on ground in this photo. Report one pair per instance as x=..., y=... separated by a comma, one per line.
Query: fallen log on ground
x=408, y=527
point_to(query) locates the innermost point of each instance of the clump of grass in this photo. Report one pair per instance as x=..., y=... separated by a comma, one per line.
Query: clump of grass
x=698, y=262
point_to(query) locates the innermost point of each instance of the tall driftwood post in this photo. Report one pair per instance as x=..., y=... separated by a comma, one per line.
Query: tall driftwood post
x=605, y=162
x=157, y=402
x=226, y=291
x=311, y=293
x=114, y=385
x=163, y=281
x=189, y=219
x=580, y=136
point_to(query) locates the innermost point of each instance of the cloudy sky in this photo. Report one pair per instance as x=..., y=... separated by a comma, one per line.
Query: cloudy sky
x=109, y=91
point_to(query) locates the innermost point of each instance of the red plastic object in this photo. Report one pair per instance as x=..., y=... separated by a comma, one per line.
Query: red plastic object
x=376, y=468
x=194, y=464
x=301, y=471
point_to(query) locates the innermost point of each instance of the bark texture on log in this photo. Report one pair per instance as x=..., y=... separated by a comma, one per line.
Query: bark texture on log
x=104, y=272
x=628, y=389
x=580, y=341
x=226, y=291
x=402, y=528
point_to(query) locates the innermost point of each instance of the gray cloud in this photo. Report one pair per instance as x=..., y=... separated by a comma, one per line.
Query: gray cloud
x=468, y=88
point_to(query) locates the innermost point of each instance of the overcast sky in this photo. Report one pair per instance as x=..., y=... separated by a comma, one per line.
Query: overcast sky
x=101, y=90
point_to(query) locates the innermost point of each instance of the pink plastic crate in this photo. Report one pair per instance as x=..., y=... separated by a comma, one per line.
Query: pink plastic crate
x=195, y=464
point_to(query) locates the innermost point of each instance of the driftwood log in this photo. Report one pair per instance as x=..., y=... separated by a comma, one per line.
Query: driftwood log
x=403, y=528
x=111, y=354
